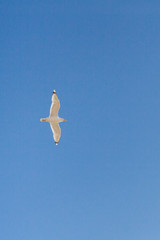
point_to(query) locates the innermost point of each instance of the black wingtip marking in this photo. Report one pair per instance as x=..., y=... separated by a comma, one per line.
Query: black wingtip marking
x=54, y=92
x=56, y=143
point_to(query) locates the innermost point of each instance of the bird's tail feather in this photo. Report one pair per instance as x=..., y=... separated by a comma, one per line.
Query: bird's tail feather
x=43, y=120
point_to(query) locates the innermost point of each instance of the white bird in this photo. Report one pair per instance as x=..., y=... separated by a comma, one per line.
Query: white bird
x=53, y=118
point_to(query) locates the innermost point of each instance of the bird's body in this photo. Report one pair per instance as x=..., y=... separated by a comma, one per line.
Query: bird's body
x=53, y=118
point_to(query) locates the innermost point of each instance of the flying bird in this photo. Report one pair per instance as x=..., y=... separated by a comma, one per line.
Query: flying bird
x=53, y=118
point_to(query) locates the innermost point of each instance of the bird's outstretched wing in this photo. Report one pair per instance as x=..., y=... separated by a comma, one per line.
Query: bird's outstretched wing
x=55, y=106
x=56, y=132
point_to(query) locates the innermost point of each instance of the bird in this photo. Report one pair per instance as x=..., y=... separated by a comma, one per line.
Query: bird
x=53, y=118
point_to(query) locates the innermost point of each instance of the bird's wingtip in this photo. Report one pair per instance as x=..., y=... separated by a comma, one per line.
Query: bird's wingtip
x=56, y=143
x=54, y=91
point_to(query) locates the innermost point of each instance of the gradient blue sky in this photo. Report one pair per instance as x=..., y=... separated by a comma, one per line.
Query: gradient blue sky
x=102, y=182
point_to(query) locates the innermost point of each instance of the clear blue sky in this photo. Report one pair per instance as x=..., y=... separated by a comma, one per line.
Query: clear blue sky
x=102, y=182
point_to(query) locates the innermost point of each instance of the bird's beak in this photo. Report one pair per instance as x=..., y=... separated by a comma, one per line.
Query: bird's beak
x=64, y=120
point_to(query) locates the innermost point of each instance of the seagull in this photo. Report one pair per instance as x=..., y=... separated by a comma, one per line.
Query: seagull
x=53, y=118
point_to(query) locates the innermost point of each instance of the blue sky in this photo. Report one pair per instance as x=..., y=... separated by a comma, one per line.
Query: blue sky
x=103, y=179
